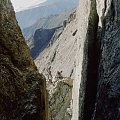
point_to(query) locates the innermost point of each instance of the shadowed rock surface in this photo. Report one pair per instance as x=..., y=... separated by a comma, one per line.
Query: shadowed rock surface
x=108, y=92
x=97, y=82
x=41, y=40
x=23, y=94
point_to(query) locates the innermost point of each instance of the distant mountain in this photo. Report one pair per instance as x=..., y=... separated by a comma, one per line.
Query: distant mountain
x=42, y=38
x=50, y=22
x=51, y=7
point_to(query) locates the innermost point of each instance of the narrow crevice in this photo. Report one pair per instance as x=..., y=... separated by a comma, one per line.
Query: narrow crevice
x=105, y=7
x=92, y=56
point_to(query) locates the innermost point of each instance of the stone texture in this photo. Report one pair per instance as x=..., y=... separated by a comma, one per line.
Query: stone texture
x=61, y=53
x=83, y=15
x=60, y=96
x=97, y=84
x=22, y=89
x=108, y=93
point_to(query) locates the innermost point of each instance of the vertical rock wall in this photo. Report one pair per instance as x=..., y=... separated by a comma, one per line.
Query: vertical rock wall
x=108, y=92
x=96, y=89
x=22, y=89
x=83, y=15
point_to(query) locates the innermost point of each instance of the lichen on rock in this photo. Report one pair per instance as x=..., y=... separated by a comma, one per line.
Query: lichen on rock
x=22, y=88
x=60, y=96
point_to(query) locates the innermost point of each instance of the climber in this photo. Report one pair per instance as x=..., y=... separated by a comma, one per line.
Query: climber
x=59, y=75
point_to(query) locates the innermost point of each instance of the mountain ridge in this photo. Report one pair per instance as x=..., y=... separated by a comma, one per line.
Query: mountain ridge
x=47, y=23
x=32, y=15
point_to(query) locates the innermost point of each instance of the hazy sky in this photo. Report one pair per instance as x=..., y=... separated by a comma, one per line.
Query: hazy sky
x=24, y=4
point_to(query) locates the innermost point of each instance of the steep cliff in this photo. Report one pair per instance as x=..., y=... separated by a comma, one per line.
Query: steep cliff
x=97, y=84
x=60, y=56
x=22, y=89
x=61, y=53
x=108, y=92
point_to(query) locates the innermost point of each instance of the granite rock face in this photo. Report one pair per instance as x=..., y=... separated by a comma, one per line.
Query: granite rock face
x=97, y=84
x=61, y=52
x=22, y=89
x=60, y=95
x=108, y=92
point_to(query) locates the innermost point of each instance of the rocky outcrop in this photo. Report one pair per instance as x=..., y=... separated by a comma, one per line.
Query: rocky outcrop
x=22, y=89
x=108, y=92
x=97, y=84
x=60, y=96
x=61, y=53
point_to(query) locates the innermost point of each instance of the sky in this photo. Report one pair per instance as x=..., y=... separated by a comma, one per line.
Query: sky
x=20, y=5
